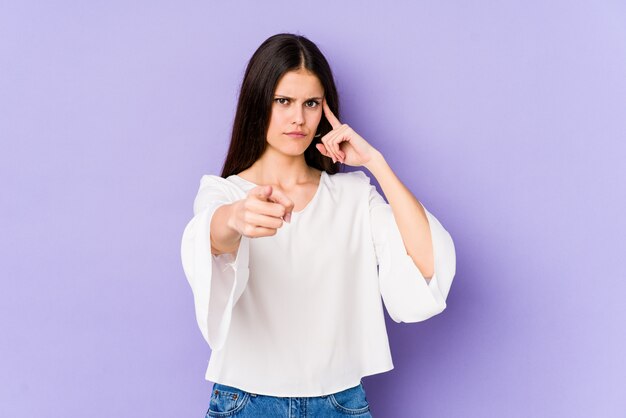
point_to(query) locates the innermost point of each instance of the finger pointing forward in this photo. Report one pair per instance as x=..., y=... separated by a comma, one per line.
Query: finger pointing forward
x=334, y=122
x=272, y=194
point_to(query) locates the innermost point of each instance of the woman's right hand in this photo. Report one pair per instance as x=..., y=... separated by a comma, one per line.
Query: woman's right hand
x=261, y=213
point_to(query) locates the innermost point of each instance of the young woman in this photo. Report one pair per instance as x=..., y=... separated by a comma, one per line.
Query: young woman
x=288, y=258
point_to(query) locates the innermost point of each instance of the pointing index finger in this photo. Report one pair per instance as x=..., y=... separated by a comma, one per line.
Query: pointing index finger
x=275, y=196
x=334, y=122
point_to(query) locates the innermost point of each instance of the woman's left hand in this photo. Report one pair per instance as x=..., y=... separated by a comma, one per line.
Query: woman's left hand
x=343, y=143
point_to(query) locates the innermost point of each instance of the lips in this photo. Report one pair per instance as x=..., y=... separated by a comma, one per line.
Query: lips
x=296, y=134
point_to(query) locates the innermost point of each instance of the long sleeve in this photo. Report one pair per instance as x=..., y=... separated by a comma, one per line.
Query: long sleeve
x=217, y=281
x=407, y=295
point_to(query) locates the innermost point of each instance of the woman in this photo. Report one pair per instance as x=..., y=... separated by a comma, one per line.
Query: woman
x=282, y=251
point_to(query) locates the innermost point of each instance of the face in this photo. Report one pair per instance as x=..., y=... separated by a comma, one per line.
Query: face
x=296, y=106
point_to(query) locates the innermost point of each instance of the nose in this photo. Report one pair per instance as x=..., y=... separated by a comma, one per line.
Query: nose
x=298, y=117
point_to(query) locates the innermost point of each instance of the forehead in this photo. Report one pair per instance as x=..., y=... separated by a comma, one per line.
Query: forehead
x=299, y=83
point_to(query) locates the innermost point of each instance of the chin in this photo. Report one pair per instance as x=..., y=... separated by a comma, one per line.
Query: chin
x=291, y=146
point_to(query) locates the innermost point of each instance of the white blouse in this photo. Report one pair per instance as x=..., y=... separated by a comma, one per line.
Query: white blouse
x=300, y=313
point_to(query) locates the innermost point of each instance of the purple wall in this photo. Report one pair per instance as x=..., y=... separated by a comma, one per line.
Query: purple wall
x=507, y=121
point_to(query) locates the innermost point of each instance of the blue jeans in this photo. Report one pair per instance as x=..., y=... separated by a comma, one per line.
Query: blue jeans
x=229, y=401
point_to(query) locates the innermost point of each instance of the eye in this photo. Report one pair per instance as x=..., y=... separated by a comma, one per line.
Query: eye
x=316, y=103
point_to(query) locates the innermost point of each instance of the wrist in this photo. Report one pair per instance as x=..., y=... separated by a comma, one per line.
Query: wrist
x=230, y=219
x=377, y=160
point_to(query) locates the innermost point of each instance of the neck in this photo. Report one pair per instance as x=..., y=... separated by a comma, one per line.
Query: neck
x=282, y=169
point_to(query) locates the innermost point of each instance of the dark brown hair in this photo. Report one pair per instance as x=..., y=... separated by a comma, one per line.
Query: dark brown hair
x=277, y=55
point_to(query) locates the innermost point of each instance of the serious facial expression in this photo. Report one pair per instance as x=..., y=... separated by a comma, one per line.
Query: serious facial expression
x=296, y=106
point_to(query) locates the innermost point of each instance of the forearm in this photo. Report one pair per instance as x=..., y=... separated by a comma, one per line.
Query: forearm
x=408, y=213
x=224, y=239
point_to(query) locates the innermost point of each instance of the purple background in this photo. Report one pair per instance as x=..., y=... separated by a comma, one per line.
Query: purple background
x=506, y=120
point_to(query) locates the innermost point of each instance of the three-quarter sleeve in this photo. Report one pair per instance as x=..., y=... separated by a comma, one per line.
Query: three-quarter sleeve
x=217, y=281
x=407, y=294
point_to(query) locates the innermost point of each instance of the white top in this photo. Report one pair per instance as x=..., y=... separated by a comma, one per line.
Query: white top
x=300, y=313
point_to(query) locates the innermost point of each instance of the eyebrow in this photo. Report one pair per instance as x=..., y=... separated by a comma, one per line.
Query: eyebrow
x=291, y=98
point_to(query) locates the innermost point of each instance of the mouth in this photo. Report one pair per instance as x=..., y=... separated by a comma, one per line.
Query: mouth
x=296, y=134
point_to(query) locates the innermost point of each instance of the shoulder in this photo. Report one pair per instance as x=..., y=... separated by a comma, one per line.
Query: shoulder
x=353, y=186
x=350, y=178
x=216, y=183
x=215, y=189
x=211, y=180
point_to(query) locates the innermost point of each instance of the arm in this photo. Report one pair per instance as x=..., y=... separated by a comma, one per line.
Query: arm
x=217, y=281
x=224, y=238
x=408, y=213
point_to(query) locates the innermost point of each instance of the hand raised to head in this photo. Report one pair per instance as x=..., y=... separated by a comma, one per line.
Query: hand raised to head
x=342, y=143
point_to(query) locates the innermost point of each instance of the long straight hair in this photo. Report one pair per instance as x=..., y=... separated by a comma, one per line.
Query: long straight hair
x=277, y=55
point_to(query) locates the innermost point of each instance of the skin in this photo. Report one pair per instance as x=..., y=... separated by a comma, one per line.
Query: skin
x=287, y=182
x=283, y=164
